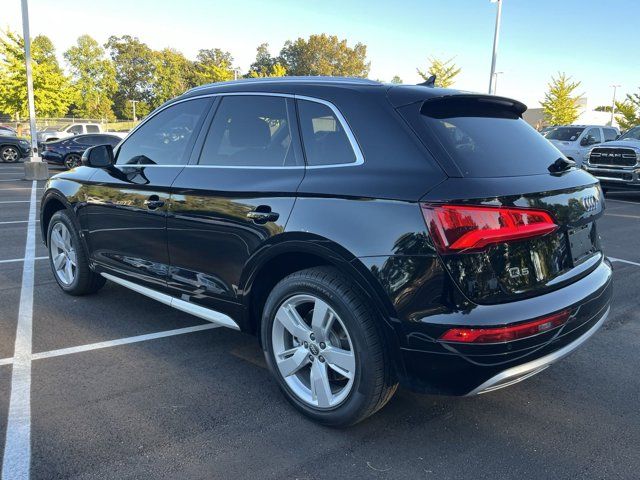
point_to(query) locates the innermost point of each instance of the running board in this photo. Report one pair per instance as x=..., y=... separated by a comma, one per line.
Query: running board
x=207, y=314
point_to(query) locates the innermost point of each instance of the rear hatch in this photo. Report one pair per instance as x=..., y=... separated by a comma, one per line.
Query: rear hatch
x=513, y=220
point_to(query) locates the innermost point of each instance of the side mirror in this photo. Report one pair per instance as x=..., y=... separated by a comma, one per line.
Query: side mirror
x=100, y=156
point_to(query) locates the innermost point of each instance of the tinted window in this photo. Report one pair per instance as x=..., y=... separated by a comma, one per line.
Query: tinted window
x=592, y=137
x=486, y=139
x=565, y=134
x=250, y=131
x=76, y=129
x=163, y=139
x=93, y=129
x=609, y=134
x=324, y=138
x=633, y=134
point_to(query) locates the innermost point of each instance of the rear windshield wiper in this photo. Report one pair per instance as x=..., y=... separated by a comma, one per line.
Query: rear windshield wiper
x=560, y=165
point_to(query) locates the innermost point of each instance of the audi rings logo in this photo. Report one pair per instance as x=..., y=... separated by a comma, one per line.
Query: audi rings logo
x=590, y=203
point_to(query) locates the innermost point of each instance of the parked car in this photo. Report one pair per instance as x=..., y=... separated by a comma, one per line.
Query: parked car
x=57, y=132
x=616, y=164
x=575, y=141
x=368, y=234
x=13, y=149
x=7, y=131
x=545, y=131
x=68, y=152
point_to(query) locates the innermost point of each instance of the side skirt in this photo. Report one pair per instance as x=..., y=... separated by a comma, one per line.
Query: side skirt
x=188, y=307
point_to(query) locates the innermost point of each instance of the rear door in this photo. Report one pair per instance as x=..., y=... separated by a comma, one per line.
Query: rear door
x=506, y=166
x=127, y=203
x=234, y=198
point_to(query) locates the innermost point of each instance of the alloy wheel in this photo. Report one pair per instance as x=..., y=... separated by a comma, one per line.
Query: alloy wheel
x=313, y=351
x=72, y=161
x=63, y=254
x=10, y=154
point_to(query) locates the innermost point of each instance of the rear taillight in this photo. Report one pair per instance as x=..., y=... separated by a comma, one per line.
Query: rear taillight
x=457, y=228
x=506, y=334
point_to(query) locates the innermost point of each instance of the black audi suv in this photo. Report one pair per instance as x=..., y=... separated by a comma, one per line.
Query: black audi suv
x=369, y=235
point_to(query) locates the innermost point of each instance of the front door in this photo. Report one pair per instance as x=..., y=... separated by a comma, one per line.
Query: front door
x=235, y=199
x=127, y=203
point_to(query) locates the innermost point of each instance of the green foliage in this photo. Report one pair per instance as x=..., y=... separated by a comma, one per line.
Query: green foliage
x=134, y=64
x=445, y=71
x=324, y=55
x=173, y=75
x=265, y=65
x=51, y=87
x=213, y=65
x=603, y=108
x=628, y=112
x=560, y=106
x=93, y=79
x=396, y=79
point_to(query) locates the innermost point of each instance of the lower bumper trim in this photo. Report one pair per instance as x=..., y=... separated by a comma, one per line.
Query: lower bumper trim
x=526, y=370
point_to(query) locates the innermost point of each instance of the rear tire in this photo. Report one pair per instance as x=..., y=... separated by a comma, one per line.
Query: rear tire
x=72, y=160
x=318, y=313
x=68, y=258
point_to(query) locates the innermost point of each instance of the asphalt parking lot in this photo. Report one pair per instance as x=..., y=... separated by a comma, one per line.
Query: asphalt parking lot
x=125, y=387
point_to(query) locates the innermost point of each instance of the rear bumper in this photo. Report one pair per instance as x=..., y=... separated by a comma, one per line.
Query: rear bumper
x=526, y=370
x=433, y=366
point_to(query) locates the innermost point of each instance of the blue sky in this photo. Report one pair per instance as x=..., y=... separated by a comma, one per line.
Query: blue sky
x=594, y=41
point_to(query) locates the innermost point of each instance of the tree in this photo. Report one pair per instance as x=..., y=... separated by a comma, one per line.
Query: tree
x=603, y=108
x=50, y=85
x=445, y=71
x=213, y=65
x=628, y=111
x=134, y=64
x=173, y=75
x=560, y=106
x=324, y=55
x=93, y=79
x=265, y=65
x=396, y=79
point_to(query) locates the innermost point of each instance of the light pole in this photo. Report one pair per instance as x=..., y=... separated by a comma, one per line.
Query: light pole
x=133, y=104
x=35, y=168
x=613, y=103
x=496, y=35
x=495, y=81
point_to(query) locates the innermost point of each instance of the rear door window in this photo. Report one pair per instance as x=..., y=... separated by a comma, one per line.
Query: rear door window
x=484, y=137
x=93, y=129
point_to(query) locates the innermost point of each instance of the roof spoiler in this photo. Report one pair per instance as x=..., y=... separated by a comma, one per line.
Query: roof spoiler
x=476, y=98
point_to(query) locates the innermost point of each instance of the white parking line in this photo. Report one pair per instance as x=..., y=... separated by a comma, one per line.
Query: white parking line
x=608, y=214
x=17, y=449
x=614, y=259
x=16, y=201
x=16, y=260
x=10, y=189
x=11, y=179
x=623, y=201
x=15, y=221
x=115, y=343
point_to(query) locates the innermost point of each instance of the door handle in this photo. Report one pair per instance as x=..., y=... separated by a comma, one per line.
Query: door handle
x=153, y=202
x=263, y=214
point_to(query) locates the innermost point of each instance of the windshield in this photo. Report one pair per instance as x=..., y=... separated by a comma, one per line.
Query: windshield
x=633, y=134
x=56, y=128
x=566, y=134
x=486, y=140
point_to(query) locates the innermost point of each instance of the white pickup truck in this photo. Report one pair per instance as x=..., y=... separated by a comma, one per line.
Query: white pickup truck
x=58, y=132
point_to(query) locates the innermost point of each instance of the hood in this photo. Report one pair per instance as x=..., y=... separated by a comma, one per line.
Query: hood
x=561, y=143
x=633, y=144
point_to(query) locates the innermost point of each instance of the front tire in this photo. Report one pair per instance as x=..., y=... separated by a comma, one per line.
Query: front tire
x=323, y=344
x=68, y=258
x=9, y=154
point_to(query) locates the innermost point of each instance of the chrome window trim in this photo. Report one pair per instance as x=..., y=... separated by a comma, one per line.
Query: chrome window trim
x=345, y=126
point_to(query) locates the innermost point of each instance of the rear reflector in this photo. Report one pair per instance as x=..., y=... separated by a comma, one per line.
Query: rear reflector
x=458, y=228
x=505, y=334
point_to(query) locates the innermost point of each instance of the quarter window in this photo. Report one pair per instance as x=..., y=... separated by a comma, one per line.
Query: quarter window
x=324, y=138
x=250, y=131
x=163, y=139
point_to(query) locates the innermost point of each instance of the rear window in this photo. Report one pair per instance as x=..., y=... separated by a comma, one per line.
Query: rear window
x=485, y=137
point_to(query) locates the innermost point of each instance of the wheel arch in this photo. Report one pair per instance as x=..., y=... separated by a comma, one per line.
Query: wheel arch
x=299, y=252
x=53, y=202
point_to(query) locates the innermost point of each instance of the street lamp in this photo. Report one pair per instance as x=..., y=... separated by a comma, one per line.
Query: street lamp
x=496, y=35
x=35, y=168
x=133, y=104
x=613, y=103
x=495, y=81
